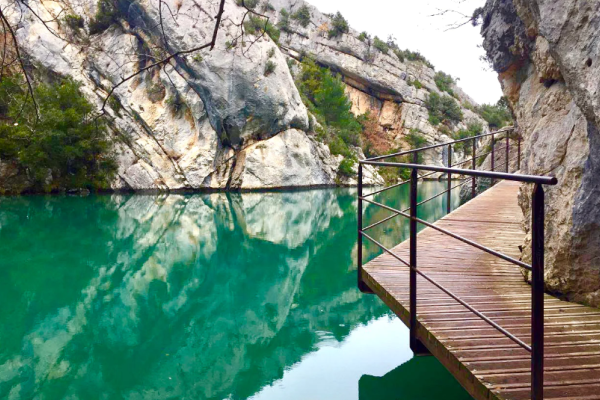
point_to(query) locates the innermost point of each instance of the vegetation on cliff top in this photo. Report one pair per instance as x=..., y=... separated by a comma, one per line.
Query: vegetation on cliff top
x=65, y=147
x=325, y=97
x=497, y=115
x=443, y=109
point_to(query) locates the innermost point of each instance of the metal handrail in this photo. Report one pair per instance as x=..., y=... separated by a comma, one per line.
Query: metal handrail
x=434, y=146
x=543, y=180
x=537, y=319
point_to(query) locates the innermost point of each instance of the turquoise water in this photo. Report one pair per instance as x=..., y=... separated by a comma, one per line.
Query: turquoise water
x=212, y=296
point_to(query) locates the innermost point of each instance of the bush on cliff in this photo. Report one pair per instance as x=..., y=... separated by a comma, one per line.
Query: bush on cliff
x=65, y=143
x=302, y=16
x=257, y=26
x=498, y=115
x=339, y=26
x=444, y=82
x=108, y=12
x=443, y=108
x=473, y=129
x=324, y=95
x=381, y=45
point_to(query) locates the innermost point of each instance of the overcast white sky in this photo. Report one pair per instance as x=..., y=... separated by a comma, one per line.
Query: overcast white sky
x=455, y=52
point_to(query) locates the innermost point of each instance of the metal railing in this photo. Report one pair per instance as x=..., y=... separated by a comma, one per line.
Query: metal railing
x=537, y=228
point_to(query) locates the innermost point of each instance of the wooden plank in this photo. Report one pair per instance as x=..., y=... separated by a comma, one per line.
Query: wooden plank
x=488, y=364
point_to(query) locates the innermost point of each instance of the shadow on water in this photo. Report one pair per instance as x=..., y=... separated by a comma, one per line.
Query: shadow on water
x=215, y=296
x=420, y=378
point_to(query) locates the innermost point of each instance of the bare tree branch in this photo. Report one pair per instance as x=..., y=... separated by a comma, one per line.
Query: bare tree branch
x=167, y=59
x=21, y=62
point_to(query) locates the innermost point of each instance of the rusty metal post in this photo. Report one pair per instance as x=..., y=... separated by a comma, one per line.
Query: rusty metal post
x=519, y=153
x=449, y=195
x=493, y=157
x=537, y=297
x=415, y=344
x=507, y=150
x=474, y=166
x=413, y=257
x=361, y=284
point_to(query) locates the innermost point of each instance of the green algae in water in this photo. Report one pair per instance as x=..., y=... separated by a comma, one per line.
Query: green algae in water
x=216, y=296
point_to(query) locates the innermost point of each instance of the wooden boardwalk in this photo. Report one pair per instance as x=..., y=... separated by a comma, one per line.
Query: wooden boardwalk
x=485, y=362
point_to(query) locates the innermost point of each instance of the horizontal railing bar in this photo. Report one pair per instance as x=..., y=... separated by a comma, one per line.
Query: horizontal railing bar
x=545, y=180
x=441, y=193
x=455, y=236
x=477, y=245
x=463, y=181
x=397, y=184
x=384, y=248
x=433, y=146
x=373, y=225
x=455, y=297
x=474, y=311
x=471, y=159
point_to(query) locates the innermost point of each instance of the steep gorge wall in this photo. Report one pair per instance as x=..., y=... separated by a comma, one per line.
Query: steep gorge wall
x=213, y=119
x=547, y=57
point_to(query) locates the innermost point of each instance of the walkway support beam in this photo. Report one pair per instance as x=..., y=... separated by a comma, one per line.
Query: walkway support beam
x=361, y=284
x=537, y=297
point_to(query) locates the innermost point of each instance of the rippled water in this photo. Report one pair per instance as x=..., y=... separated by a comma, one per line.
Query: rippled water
x=213, y=296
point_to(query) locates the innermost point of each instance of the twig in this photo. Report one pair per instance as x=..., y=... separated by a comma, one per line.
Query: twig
x=18, y=52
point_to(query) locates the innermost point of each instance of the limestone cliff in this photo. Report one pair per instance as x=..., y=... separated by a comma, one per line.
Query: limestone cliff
x=215, y=119
x=547, y=57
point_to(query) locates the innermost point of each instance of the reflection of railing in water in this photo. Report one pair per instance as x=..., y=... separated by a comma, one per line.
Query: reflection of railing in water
x=537, y=267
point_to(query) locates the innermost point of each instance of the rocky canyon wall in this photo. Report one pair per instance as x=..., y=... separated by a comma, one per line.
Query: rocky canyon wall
x=215, y=119
x=547, y=56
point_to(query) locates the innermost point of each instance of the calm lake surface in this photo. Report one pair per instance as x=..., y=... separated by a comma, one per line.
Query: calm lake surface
x=212, y=296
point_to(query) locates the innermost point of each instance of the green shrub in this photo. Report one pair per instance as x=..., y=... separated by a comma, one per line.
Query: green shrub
x=266, y=6
x=302, y=16
x=270, y=67
x=444, y=82
x=250, y=4
x=346, y=167
x=104, y=17
x=257, y=25
x=412, y=56
x=176, y=102
x=109, y=12
x=416, y=83
x=325, y=97
x=67, y=140
x=284, y=20
x=443, y=108
x=271, y=52
x=416, y=140
x=363, y=36
x=497, y=116
x=400, y=54
x=115, y=104
x=473, y=129
x=339, y=26
x=380, y=45
x=75, y=22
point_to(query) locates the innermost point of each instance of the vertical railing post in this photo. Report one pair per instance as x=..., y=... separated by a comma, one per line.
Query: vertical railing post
x=413, y=256
x=361, y=284
x=537, y=296
x=449, y=195
x=507, y=149
x=493, y=158
x=474, y=166
x=519, y=152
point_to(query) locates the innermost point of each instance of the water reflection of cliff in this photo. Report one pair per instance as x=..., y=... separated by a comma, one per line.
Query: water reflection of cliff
x=207, y=296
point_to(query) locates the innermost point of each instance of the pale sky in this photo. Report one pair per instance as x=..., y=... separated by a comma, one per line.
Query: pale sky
x=456, y=52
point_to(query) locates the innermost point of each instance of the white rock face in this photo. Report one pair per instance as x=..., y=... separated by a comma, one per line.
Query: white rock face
x=213, y=119
x=542, y=53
